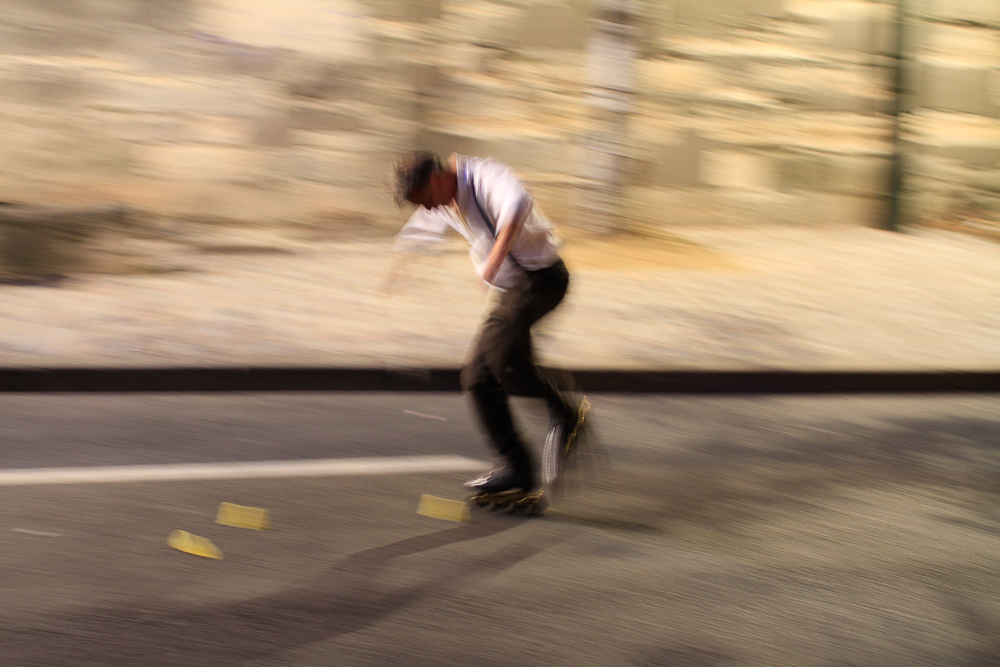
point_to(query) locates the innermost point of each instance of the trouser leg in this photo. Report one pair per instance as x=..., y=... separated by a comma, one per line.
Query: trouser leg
x=493, y=409
x=504, y=341
x=548, y=288
x=536, y=381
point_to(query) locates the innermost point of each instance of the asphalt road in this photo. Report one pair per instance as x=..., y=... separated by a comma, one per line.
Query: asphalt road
x=825, y=531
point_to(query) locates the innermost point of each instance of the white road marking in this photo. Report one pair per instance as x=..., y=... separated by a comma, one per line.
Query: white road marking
x=425, y=416
x=380, y=465
x=40, y=533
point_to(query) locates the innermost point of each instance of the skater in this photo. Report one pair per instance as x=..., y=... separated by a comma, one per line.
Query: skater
x=515, y=252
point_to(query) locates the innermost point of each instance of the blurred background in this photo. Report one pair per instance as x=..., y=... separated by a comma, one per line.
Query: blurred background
x=138, y=134
x=288, y=110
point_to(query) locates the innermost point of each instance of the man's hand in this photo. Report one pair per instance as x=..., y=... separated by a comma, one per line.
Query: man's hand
x=388, y=282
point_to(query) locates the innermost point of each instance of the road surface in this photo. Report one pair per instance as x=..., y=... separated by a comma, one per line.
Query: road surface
x=827, y=531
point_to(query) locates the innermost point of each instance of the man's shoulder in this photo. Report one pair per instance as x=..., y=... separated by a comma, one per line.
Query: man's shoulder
x=491, y=174
x=484, y=165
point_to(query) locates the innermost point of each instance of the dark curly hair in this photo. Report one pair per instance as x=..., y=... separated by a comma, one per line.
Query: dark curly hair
x=412, y=172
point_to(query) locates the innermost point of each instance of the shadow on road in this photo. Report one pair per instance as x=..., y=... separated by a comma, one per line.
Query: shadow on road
x=346, y=598
x=717, y=482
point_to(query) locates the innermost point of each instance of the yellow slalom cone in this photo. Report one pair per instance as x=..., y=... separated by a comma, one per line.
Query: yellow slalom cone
x=241, y=516
x=192, y=544
x=442, y=508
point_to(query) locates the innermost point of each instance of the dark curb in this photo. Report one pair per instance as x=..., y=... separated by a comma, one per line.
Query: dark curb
x=35, y=380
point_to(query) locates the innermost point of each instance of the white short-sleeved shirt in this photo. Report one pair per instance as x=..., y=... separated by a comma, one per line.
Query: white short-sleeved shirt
x=500, y=197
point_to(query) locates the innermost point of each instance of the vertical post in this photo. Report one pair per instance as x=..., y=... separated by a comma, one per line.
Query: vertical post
x=893, y=220
x=610, y=53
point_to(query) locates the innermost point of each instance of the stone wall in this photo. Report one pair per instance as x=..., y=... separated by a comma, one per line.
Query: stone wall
x=208, y=109
x=952, y=133
x=737, y=117
x=269, y=112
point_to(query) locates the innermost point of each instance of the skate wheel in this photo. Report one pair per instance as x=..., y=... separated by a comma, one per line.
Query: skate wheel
x=501, y=505
x=531, y=505
x=480, y=503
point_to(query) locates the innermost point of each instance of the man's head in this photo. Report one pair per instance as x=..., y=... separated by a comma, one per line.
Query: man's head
x=422, y=179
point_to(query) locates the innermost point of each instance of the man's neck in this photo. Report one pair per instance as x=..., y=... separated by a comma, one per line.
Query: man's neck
x=452, y=182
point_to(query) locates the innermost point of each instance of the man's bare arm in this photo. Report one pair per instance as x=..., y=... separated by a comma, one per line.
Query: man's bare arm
x=400, y=261
x=500, y=249
x=509, y=229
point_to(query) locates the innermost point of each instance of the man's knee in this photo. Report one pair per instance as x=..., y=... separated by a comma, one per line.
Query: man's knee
x=486, y=393
x=475, y=375
x=514, y=351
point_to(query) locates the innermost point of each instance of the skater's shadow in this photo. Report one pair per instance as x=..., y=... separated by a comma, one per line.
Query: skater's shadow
x=346, y=598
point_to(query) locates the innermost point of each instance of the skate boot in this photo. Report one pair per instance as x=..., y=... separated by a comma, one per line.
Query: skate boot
x=561, y=441
x=507, y=487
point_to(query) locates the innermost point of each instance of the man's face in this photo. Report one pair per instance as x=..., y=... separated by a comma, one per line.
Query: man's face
x=432, y=194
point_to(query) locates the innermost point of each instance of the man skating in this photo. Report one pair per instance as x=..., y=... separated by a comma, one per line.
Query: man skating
x=515, y=251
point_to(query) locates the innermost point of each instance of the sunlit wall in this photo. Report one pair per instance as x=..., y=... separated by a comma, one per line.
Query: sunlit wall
x=268, y=112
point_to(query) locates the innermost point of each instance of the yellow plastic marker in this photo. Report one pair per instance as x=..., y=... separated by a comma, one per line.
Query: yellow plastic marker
x=241, y=516
x=442, y=508
x=192, y=544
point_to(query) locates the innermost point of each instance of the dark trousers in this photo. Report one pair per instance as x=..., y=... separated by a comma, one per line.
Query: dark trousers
x=504, y=342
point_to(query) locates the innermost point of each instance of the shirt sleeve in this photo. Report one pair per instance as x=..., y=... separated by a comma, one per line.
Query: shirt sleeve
x=505, y=198
x=423, y=233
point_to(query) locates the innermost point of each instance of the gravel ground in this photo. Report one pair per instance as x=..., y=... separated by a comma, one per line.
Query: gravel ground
x=804, y=298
